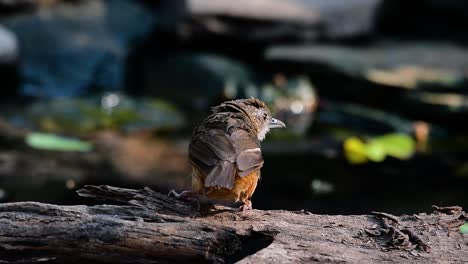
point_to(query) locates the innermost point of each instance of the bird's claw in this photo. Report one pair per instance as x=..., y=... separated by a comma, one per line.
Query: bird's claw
x=246, y=206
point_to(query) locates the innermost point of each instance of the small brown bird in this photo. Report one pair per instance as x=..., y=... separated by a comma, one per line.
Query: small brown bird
x=225, y=151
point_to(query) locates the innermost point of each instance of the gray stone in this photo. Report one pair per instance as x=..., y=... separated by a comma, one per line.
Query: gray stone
x=196, y=81
x=70, y=48
x=8, y=63
x=303, y=19
x=418, y=80
x=8, y=46
x=399, y=64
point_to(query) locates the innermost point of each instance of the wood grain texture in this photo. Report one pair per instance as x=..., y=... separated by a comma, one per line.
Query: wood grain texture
x=148, y=227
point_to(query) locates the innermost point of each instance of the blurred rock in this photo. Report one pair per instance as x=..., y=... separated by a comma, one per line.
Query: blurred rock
x=411, y=77
x=407, y=63
x=8, y=46
x=271, y=20
x=418, y=80
x=8, y=62
x=73, y=48
x=196, y=81
x=353, y=118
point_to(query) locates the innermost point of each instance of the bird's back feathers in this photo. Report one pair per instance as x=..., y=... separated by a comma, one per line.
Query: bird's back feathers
x=224, y=147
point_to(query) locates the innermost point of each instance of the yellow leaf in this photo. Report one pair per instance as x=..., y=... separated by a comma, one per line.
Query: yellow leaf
x=355, y=150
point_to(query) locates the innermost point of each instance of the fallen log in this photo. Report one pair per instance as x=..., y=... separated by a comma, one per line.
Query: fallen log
x=143, y=226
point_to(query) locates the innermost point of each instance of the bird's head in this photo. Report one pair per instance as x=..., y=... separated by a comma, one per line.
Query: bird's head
x=257, y=114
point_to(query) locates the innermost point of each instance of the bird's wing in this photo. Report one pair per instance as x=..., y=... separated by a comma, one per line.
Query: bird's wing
x=214, y=154
x=249, y=155
x=221, y=156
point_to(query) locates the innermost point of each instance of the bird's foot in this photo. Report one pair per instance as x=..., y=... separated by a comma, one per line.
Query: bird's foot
x=246, y=206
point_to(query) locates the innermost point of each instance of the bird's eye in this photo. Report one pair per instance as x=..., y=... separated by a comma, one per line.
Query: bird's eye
x=264, y=116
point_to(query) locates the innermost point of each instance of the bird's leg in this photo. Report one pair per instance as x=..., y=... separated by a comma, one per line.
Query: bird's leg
x=246, y=206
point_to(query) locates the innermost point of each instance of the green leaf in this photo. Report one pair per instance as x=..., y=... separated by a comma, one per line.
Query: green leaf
x=464, y=228
x=375, y=151
x=57, y=143
x=400, y=146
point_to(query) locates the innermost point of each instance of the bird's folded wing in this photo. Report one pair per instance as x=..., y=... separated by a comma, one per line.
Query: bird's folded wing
x=213, y=152
x=221, y=156
x=248, y=153
x=248, y=161
x=222, y=175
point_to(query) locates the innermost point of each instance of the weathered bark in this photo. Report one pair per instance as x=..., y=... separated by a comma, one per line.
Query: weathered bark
x=148, y=227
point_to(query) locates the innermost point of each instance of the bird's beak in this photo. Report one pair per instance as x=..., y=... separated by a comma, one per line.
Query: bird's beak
x=275, y=123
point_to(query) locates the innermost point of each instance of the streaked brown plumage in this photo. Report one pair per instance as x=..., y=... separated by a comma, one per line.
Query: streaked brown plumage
x=225, y=150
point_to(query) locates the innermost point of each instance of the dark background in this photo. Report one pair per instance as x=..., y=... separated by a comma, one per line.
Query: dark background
x=383, y=80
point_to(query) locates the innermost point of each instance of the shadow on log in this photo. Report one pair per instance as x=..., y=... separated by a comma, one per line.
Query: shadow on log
x=143, y=226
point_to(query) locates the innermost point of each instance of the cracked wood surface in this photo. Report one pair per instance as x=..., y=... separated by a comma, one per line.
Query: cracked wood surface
x=142, y=226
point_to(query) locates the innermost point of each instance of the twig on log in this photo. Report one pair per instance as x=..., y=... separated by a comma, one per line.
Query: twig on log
x=387, y=215
x=146, y=198
x=401, y=238
x=415, y=239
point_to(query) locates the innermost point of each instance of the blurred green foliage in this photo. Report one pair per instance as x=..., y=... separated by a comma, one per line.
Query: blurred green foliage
x=53, y=142
x=400, y=146
x=464, y=228
x=81, y=116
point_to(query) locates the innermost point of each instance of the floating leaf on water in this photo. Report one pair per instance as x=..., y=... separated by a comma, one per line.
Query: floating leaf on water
x=57, y=143
x=400, y=146
x=355, y=150
x=376, y=151
x=397, y=145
